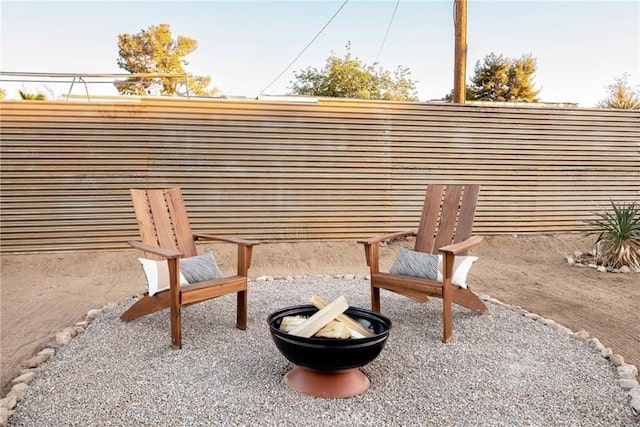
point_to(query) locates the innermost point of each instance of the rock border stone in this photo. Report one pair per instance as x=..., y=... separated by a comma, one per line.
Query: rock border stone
x=576, y=259
x=28, y=374
x=627, y=373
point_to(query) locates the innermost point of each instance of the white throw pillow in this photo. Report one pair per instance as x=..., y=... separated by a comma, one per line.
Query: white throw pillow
x=157, y=273
x=419, y=264
x=461, y=266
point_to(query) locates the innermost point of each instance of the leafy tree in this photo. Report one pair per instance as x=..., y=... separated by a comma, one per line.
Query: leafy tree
x=31, y=96
x=504, y=79
x=621, y=95
x=155, y=51
x=349, y=77
x=3, y=93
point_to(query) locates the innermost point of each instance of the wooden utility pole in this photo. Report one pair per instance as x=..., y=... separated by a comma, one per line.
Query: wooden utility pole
x=460, y=61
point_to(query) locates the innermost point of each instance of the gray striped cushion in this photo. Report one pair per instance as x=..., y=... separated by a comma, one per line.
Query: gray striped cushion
x=200, y=268
x=416, y=264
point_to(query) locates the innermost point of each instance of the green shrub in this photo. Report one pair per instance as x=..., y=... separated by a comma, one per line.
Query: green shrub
x=618, y=242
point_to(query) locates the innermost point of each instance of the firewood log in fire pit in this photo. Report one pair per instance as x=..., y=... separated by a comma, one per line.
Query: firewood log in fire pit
x=328, y=322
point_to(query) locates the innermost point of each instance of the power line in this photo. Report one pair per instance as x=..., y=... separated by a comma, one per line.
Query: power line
x=306, y=47
x=388, y=28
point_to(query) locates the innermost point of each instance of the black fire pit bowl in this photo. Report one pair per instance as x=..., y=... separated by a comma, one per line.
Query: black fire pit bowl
x=330, y=354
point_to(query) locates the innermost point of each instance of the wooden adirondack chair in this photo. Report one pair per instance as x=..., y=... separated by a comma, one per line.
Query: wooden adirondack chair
x=166, y=234
x=445, y=227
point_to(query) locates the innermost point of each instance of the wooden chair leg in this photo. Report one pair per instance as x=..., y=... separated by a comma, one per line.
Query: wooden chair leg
x=176, y=324
x=447, y=316
x=447, y=297
x=420, y=297
x=375, y=299
x=447, y=321
x=146, y=305
x=241, y=310
x=176, y=302
x=466, y=298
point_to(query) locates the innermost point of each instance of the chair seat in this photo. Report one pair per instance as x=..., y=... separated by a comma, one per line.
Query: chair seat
x=198, y=292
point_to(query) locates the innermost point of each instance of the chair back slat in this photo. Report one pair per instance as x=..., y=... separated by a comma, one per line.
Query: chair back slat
x=467, y=213
x=447, y=216
x=180, y=219
x=428, y=225
x=146, y=226
x=162, y=220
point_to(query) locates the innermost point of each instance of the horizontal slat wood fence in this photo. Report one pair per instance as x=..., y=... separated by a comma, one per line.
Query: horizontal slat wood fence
x=291, y=171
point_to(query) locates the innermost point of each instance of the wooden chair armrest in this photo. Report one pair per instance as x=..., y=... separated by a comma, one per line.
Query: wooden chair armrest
x=240, y=242
x=390, y=236
x=457, y=248
x=165, y=253
x=245, y=248
x=371, y=247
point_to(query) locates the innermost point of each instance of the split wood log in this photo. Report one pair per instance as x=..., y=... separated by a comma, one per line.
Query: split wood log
x=323, y=316
x=356, y=327
x=334, y=329
x=289, y=322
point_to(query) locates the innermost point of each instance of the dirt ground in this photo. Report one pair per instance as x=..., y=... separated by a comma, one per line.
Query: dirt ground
x=42, y=294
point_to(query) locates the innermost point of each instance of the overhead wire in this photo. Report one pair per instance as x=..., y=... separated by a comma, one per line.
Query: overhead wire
x=393, y=15
x=306, y=47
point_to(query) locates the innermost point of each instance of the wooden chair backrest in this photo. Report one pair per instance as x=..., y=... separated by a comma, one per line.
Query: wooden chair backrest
x=447, y=216
x=162, y=220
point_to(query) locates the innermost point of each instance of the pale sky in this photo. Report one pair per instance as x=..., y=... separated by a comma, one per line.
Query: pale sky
x=581, y=46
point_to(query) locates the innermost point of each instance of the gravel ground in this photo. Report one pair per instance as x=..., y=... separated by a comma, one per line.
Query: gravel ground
x=500, y=369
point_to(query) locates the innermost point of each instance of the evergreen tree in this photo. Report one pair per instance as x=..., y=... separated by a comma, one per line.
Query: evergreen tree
x=503, y=79
x=520, y=80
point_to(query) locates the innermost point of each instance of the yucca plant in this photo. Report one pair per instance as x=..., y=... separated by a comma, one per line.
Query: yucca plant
x=618, y=242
